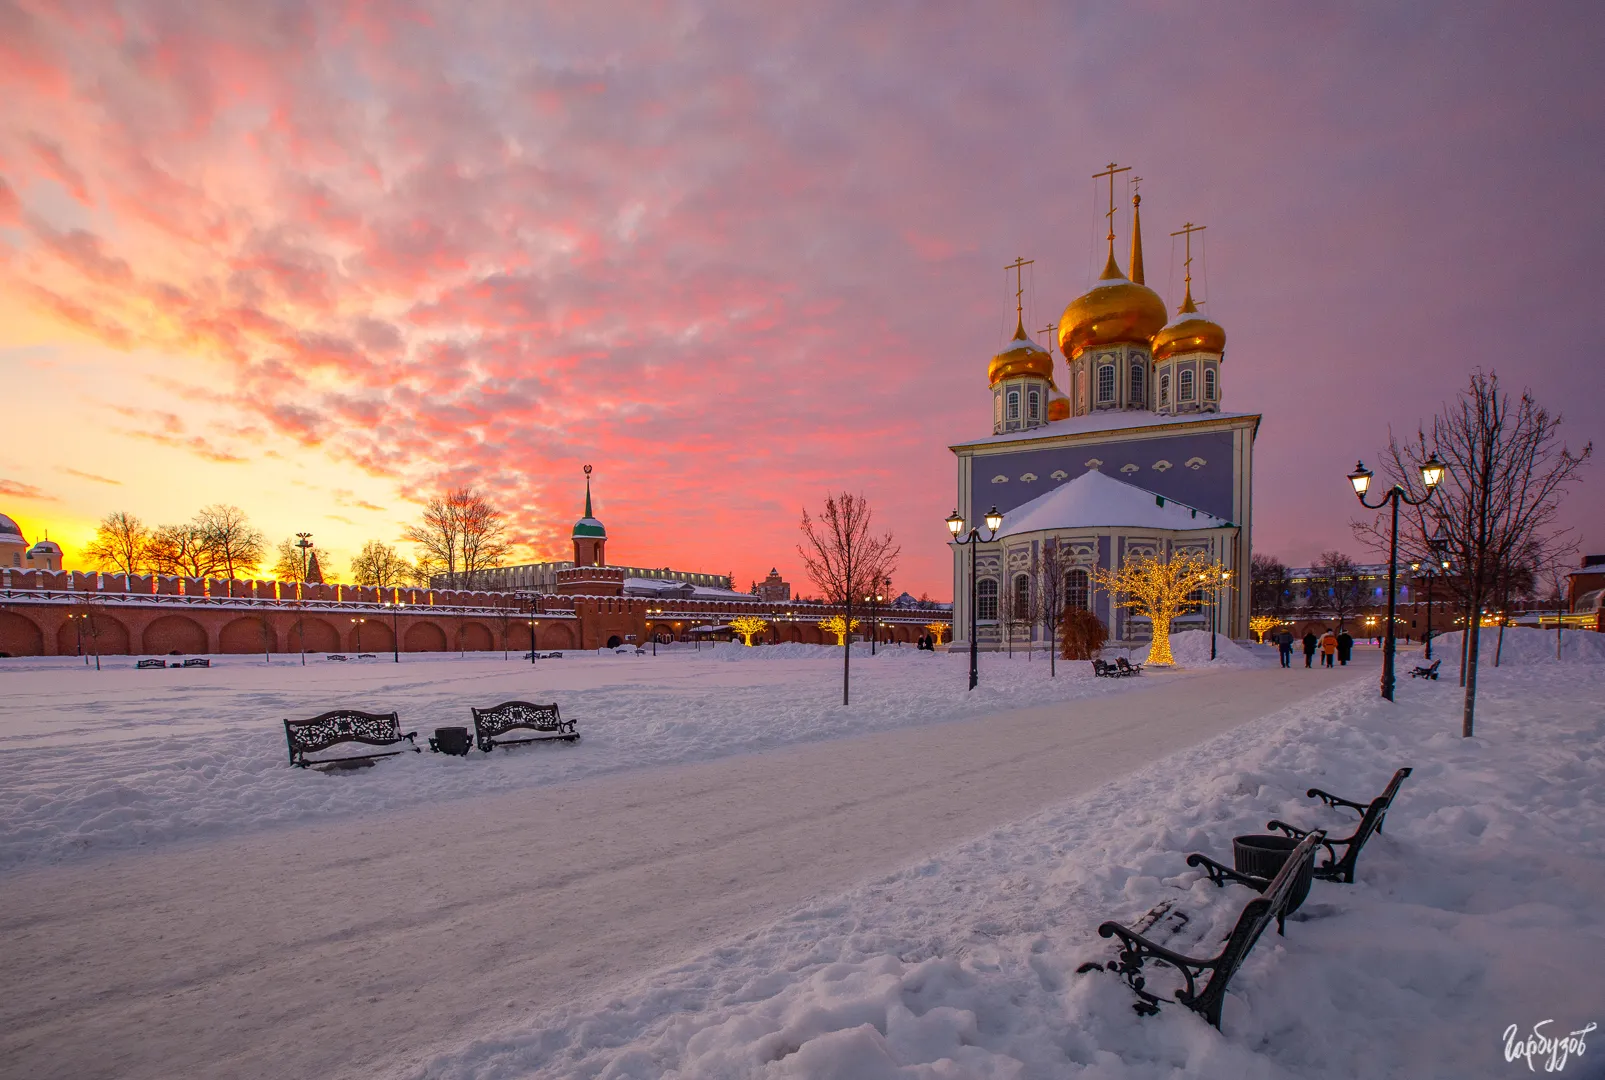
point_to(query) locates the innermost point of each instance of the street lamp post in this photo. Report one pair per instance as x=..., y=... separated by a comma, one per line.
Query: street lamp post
x=873, y=600
x=955, y=526
x=1432, y=471
x=1435, y=565
x=78, y=621
x=358, y=624
x=304, y=542
x=1214, y=605
x=395, y=628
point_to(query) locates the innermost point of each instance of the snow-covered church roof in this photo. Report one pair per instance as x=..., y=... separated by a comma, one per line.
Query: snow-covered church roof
x=1093, y=500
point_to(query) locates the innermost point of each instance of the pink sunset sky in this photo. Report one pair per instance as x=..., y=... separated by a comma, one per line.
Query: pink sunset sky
x=322, y=259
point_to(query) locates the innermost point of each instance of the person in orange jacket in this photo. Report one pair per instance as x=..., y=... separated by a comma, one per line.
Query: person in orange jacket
x=1328, y=648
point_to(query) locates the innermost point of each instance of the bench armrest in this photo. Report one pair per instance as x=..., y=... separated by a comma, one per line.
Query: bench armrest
x=1334, y=801
x=1220, y=874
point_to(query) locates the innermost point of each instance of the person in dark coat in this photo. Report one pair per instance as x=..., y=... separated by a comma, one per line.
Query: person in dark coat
x=1284, y=645
x=1345, y=647
x=1310, y=642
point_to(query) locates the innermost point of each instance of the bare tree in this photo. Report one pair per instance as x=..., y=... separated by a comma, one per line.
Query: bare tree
x=380, y=565
x=1051, y=569
x=290, y=564
x=1507, y=472
x=234, y=546
x=1341, y=590
x=844, y=559
x=121, y=543
x=462, y=533
x=1268, y=576
x=183, y=550
x=1555, y=562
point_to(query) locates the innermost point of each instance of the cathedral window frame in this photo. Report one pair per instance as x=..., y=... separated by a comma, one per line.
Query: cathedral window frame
x=1211, y=384
x=1164, y=389
x=997, y=409
x=1012, y=413
x=1184, y=385
x=1106, y=383
x=1020, y=601
x=1033, y=405
x=986, y=600
x=1139, y=392
x=1077, y=589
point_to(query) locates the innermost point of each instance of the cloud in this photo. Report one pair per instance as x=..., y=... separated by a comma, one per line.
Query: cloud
x=87, y=476
x=16, y=489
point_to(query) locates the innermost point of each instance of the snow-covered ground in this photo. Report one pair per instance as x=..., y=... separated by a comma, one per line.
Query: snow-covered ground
x=1478, y=909
x=99, y=761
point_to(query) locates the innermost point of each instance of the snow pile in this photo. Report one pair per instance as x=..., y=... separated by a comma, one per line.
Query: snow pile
x=1477, y=909
x=1190, y=648
x=1524, y=645
x=123, y=758
x=796, y=650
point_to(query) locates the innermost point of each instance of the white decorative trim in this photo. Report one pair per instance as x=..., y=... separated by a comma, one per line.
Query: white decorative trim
x=1196, y=463
x=1058, y=474
x=1028, y=477
x=1000, y=479
x=1161, y=465
x=1094, y=463
x=1130, y=468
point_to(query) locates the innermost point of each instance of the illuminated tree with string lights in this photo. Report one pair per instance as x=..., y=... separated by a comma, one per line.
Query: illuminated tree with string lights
x=838, y=626
x=1159, y=589
x=937, y=629
x=748, y=626
x=1260, y=625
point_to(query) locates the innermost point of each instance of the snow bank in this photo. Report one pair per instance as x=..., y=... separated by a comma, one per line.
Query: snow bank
x=1476, y=909
x=123, y=758
x=1525, y=645
x=1190, y=648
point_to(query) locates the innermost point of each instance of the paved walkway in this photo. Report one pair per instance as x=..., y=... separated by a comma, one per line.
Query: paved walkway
x=356, y=948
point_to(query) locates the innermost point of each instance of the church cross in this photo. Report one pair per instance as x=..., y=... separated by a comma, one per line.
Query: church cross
x=1110, y=173
x=1018, y=266
x=1187, y=231
x=1049, y=329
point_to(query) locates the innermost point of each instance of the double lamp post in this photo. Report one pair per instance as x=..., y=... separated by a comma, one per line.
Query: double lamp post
x=1432, y=471
x=955, y=526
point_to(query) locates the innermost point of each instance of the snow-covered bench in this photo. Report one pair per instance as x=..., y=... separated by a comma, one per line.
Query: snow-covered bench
x=151, y=664
x=1137, y=949
x=198, y=661
x=1105, y=671
x=1371, y=816
x=1426, y=671
x=1126, y=667
x=544, y=720
x=345, y=726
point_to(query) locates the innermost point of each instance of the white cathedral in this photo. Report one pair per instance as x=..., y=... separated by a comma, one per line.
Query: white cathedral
x=1137, y=457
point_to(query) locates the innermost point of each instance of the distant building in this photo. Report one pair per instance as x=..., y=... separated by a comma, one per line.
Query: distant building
x=772, y=588
x=1585, y=588
x=16, y=554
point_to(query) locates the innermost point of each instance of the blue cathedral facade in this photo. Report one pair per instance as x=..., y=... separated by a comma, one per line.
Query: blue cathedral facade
x=1135, y=455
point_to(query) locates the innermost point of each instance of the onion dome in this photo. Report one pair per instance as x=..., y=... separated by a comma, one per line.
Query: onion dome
x=1058, y=405
x=1021, y=356
x=44, y=547
x=1189, y=332
x=9, y=530
x=1114, y=312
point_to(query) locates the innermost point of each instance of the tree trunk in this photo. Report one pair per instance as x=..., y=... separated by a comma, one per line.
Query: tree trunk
x=1499, y=643
x=847, y=652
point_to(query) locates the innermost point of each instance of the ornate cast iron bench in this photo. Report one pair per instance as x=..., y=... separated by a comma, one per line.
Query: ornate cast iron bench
x=151, y=664
x=1135, y=949
x=1426, y=671
x=547, y=723
x=1371, y=817
x=345, y=726
x=1127, y=668
x=198, y=661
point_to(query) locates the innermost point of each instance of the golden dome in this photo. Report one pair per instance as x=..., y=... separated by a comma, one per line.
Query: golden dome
x=1116, y=311
x=1058, y=406
x=1190, y=332
x=1022, y=357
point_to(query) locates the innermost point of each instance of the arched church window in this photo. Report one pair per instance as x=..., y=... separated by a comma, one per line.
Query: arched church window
x=1022, y=597
x=1077, y=590
x=1081, y=389
x=1209, y=384
x=1164, y=389
x=1033, y=405
x=986, y=600
x=1014, y=404
x=1185, y=385
x=1106, y=382
x=1137, y=387
x=997, y=408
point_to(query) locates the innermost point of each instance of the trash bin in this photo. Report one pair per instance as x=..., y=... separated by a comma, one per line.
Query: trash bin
x=1263, y=856
x=451, y=740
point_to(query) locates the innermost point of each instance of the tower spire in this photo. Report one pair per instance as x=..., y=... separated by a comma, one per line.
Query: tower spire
x=1111, y=269
x=1136, y=232
x=1187, y=230
x=1018, y=266
x=588, y=491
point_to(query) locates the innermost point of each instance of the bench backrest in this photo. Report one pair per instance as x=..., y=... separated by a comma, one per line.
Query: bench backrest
x=1386, y=798
x=339, y=726
x=1255, y=917
x=516, y=714
x=1371, y=822
x=151, y=664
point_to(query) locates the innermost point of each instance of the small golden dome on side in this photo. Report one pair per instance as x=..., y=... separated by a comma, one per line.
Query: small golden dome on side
x=1022, y=357
x=1058, y=406
x=1115, y=312
x=1189, y=332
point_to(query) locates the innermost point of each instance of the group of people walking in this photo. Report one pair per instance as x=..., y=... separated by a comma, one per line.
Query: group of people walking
x=1330, y=646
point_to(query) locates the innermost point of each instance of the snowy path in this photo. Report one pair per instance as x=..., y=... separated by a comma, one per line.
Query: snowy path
x=351, y=948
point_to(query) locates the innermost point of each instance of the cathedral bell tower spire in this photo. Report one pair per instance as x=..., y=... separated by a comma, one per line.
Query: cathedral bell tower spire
x=1136, y=232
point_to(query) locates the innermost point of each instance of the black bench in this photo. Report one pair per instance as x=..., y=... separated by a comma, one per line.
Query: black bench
x=198, y=661
x=547, y=723
x=343, y=726
x=1127, y=668
x=1136, y=950
x=151, y=664
x=366, y=656
x=336, y=656
x=1426, y=671
x=1105, y=671
x=1371, y=817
